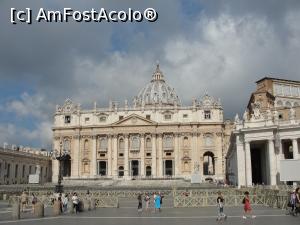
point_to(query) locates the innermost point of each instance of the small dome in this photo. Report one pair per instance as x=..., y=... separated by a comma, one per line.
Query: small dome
x=157, y=92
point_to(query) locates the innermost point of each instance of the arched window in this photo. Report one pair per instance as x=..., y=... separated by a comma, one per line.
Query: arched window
x=148, y=143
x=148, y=171
x=208, y=163
x=168, y=142
x=86, y=147
x=103, y=143
x=67, y=146
x=121, y=171
x=135, y=142
x=296, y=104
x=121, y=144
x=279, y=103
x=208, y=140
x=185, y=142
x=288, y=104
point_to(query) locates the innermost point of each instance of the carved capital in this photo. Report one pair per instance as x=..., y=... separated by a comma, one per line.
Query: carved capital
x=56, y=138
x=76, y=137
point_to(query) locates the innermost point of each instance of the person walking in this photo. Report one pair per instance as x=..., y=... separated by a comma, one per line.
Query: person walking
x=220, y=205
x=157, y=203
x=161, y=195
x=247, y=206
x=75, y=201
x=147, y=200
x=24, y=201
x=140, y=203
x=33, y=201
x=65, y=202
x=297, y=202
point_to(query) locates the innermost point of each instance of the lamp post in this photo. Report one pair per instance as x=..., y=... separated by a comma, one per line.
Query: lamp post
x=60, y=157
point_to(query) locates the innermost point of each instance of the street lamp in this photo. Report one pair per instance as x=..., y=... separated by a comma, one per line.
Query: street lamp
x=60, y=156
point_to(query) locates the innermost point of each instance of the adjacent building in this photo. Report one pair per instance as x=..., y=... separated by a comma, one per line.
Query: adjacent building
x=18, y=163
x=269, y=131
x=153, y=137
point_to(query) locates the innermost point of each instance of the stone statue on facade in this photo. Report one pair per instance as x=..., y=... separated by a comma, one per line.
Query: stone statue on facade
x=236, y=119
x=268, y=114
x=256, y=115
x=292, y=114
x=245, y=115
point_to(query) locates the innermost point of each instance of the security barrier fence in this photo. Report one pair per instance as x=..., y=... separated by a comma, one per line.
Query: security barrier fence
x=183, y=197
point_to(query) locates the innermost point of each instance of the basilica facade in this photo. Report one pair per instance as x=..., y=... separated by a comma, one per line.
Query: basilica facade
x=152, y=137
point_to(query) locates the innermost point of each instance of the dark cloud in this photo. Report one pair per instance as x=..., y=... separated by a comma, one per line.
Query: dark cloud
x=221, y=47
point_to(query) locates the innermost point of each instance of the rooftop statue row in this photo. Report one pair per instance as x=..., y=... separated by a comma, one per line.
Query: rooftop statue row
x=258, y=115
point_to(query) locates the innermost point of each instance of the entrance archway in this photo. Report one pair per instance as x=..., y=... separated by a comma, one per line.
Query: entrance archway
x=208, y=163
x=169, y=167
x=66, y=166
x=102, y=168
x=148, y=171
x=134, y=168
x=259, y=162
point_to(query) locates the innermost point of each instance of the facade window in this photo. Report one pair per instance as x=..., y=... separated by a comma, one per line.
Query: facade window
x=208, y=140
x=280, y=116
x=135, y=142
x=121, y=144
x=16, y=170
x=148, y=117
x=67, y=146
x=185, y=116
x=102, y=155
x=168, y=117
x=148, y=171
x=121, y=171
x=86, y=147
x=168, y=142
x=8, y=171
x=168, y=154
x=67, y=119
x=148, y=143
x=86, y=119
x=207, y=114
x=148, y=154
x=42, y=171
x=46, y=174
x=121, y=154
x=30, y=169
x=103, y=144
x=185, y=142
x=102, y=119
x=121, y=117
x=208, y=163
x=102, y=168
x=23, y=171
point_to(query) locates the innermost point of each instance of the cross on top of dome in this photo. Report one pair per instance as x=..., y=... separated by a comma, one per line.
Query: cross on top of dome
x=157, y=75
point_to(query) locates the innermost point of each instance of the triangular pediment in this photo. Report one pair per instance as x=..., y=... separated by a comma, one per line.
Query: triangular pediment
x=134, y=120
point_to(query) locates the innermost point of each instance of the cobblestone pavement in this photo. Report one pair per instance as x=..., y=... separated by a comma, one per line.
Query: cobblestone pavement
x=169, y=216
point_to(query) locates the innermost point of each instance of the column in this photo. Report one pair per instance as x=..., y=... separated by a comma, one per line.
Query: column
x=126, y=152
x=54, y=162
x=94, y=156
x=153, y=167
x=272, y=162
x=176, y=152
x=109, y=155
x=142, y=154
x=240, y=160
x=160, y=160
x=194, y=152
x=295, y=149
x=115, y=156
x=75, y=161
x=248, y=164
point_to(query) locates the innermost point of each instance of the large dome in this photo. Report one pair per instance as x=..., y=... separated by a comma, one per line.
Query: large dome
x=157, y=92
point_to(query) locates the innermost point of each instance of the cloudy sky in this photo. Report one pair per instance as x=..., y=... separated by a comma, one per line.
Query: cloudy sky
x=217, y=46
